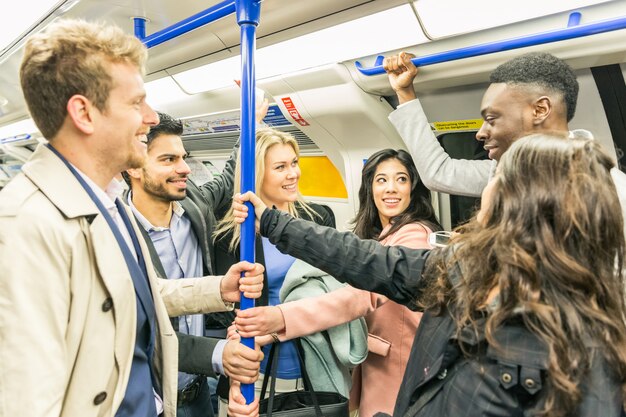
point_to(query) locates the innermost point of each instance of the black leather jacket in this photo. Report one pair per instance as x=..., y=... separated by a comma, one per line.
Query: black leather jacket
x=489, y=382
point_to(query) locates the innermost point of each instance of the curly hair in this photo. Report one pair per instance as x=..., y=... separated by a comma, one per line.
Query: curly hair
x=541, y=70
x=551, y=243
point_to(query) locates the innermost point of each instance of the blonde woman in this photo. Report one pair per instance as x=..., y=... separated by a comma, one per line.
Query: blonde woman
x=277, y=177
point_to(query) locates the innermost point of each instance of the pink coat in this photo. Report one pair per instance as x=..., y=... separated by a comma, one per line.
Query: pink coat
x=391, y=327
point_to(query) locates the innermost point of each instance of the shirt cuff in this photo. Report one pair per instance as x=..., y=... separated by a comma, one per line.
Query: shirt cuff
x=216, y=359
x=405, y=103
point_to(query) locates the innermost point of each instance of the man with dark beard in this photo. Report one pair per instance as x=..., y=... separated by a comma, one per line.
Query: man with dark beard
x=178, y=218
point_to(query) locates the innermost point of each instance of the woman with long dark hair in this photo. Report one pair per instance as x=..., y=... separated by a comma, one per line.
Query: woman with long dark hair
x=524, y=311
x=376, y=213
x=394, y=209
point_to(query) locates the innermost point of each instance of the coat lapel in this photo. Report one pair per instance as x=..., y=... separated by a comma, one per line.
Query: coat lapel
x=200, y=228
x=58, y=184
x=114, y=273
x=55, y=181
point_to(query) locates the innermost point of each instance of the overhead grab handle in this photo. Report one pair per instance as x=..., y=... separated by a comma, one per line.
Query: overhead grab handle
x=575, y=30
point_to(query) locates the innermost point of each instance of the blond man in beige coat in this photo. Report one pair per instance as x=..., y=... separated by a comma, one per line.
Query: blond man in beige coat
x=68, y=309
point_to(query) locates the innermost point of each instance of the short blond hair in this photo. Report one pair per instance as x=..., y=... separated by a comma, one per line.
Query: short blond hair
x=72, y=57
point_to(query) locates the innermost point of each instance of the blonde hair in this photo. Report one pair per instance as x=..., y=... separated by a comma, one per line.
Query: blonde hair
x=72, y=57
x=266, y=138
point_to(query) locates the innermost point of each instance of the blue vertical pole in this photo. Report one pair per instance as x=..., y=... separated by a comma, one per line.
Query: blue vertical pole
x=140, y=27
x=248, y=13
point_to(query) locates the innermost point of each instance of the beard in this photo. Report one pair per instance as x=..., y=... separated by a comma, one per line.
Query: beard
x=135, y=161
x=136, y=157
x=159, y=190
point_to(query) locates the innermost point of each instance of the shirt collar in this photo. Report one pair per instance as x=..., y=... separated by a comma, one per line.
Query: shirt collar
x=116, y=188
x=107, y=196
x=178, y=209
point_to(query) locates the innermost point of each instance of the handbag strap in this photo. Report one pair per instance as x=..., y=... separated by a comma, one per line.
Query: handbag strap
x=307, y=380
x=272, y=369
x=272, y=362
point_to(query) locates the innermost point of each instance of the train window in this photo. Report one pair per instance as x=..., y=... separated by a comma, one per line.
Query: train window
x=462, y=145
x=9, y=167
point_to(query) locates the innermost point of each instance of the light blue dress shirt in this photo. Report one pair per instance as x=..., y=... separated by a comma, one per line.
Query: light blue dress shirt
x=181, y=257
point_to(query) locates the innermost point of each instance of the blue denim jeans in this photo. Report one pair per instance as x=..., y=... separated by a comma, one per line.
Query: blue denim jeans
x=200, y=407
x=213, y=391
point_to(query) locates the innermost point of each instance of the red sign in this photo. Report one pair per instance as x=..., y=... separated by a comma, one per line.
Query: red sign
x=293, y=112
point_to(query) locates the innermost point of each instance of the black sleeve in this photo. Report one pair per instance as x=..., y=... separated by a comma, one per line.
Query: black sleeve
x=394, y=271
x=195, y=354
x=323, y=215
x=218, y=192
x=328, y=217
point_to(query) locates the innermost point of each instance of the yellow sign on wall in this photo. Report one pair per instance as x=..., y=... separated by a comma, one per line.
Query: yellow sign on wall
x=320, y=178
x=469, y=124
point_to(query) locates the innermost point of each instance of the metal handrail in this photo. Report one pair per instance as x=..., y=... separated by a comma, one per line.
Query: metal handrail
x=202, y=18
x=574, y=30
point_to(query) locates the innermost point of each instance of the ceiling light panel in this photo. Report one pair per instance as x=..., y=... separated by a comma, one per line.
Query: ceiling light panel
x=362, y=37
x=16, y=19
x=452, y=17
x=18, y=129
x=163, y=91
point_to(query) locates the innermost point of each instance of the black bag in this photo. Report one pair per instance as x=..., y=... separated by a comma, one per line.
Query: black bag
x=307, y=403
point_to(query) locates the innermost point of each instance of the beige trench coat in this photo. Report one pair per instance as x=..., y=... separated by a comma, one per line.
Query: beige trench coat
x=61, y=269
